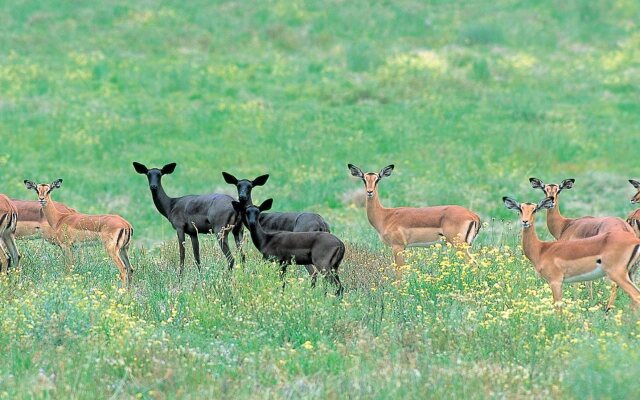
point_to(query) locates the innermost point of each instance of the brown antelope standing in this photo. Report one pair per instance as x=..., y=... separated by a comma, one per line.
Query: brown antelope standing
x=415, y=227
x=611, y=254
x=72, y=228
x=31, y=219
x=8, y=222
x=634, y=218
x=563, y=228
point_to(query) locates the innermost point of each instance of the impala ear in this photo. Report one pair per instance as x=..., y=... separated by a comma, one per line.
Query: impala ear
x=29, y=184
x=536, y=183
x=237, y=206
x=386, y=171
x=635, y=183
x=266, y=205
x=168, y=169
x=261, y=180
x=230, y=179
x=545, y=203
x=566, y=184
x=56, y=184
x=355, y=171
x=140, y=168
x=511, y=204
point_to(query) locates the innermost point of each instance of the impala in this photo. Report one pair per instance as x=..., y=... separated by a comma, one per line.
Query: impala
x=317, y=251
x=611, y=254
x=194, y=214
x=415, y=227
x=634, y=218
x=577, y=228
x=31, y=219
x=276, y=221
x=71, y=228
x=8, y=222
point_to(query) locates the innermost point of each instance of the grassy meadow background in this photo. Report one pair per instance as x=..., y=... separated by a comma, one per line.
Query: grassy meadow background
x=468, y=99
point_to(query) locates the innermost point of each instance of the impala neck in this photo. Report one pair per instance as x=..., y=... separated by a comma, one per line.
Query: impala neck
x=258, y=235
x=531, y=244
x=375, y=211
x=555, y=221
x=51, y=213
x=161, y=200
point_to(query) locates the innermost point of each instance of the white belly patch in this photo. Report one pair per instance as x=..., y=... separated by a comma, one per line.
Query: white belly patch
x=596, y=273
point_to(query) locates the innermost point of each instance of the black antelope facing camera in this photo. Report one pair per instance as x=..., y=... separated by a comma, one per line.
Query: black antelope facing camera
x=194, y=214
x=72, y=228
x=317, y=251
x=8, y=221
x=563, y=228
x=634, y=218
x=404, y=227
x=611, y=254
x=276, y=221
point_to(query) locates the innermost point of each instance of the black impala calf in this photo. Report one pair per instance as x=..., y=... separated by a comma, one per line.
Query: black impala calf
x=277, y=221
x=194, y=214
x=317, y=251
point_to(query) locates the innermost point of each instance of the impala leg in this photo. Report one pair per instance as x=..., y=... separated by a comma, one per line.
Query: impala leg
x=612, y=297
x=113, y=251
x=195, y=245
x=124, y=256
x=630, y=288
x=335, y=279
x=223, y=235
x=397, y=250
x=556, y=291
x=283, y=271
x=313, y=272
x=180, y=233
x=68, y=257
x=12, y=249
x=238, y=235
x=4, y=257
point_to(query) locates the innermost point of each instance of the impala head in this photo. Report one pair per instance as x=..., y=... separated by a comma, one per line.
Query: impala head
x=154, y=174
x=370, y=179
x=43, y=190
x=551, y=190
x=252, y=212
x=527, y=210
x=636, y=198
x=244, y=186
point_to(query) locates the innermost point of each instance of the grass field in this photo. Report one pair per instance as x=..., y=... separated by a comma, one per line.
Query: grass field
x=468, y=99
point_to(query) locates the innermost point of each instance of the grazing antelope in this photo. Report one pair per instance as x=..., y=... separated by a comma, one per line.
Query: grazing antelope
x=415, y=227
x=611, y=254
x=32, y=221
x=277, y=221
x=634, y=218
x=577, y=228
x=194, y=214
x=71, y=228
x=8, y=221
x=317, y=251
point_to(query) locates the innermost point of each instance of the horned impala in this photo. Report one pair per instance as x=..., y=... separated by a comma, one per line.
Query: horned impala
x=71, y=228
x=194, y=214
x=611, y=254
x=317, y=251
x=276, y=221
x=8, y=220
x=634, y=218
x=577, y=228
x=415, y=227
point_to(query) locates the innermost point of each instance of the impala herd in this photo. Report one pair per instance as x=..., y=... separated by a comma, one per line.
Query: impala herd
x=585, y=248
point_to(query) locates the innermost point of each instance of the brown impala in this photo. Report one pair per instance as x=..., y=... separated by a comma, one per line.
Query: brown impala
x=415, y=227
x=634, y=218
x=577, y=228
x=31, y=219
x=8, y=220
x=73, y=227
x=611, y=254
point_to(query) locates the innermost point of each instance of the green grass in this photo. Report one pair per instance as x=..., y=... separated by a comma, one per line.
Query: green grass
x=467, y=99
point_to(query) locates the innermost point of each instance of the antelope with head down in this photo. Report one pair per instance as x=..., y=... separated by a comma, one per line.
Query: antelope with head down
x=71, y=228
x=611, y=254
x=404, y=227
